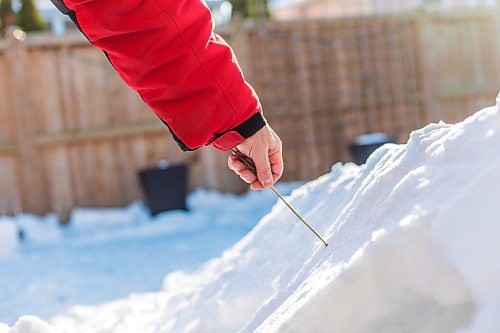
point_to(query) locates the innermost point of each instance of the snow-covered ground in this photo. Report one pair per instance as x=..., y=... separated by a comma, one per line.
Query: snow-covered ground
x=106, y=254
x=414, y=247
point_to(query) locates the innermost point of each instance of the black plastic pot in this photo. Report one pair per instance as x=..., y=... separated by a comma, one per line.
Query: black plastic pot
x=366, y=144
x=165, y=187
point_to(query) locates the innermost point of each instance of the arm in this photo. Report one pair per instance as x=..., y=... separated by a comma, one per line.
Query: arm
x=167, y=52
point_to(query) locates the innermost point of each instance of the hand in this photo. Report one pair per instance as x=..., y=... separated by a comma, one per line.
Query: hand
x=264, y=148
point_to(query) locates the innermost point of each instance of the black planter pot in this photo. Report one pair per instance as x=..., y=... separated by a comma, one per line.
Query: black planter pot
x=165, y=188
x=366, y=144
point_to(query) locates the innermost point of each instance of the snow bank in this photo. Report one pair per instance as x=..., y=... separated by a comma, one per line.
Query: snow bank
x=208, y=209
x=9, y=237
x=4, y=328
x=28, y=324
x=30, y=228
x=39, y=230
x=92, y=219
x=413, y=248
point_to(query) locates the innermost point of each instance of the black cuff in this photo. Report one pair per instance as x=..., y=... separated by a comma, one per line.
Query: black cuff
x=251, y=126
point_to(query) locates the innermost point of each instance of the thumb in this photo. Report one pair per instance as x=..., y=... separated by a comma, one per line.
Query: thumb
x=264, y=174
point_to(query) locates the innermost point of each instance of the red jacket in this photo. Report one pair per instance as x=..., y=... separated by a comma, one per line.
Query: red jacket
x=167, y=51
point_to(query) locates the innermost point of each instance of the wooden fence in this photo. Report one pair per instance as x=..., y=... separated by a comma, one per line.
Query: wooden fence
x=74, y=135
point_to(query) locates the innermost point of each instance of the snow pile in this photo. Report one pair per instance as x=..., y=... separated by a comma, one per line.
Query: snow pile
x=28, y=324
x=38, y=230
x=29, y=228
x=92, y=219
x=207, y=209
x=9, y=237
x=413, y=248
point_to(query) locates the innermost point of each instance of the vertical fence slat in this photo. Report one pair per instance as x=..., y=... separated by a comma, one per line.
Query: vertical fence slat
x=32, y=186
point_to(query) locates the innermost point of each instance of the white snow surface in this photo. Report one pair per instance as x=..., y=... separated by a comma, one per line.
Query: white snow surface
x=414, y=247
x=9, y=237
x=34, y=229
x=106, y=254
x=44, y=230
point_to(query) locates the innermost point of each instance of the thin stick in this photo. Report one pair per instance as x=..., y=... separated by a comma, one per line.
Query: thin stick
x=250, y=165
x=298, y=215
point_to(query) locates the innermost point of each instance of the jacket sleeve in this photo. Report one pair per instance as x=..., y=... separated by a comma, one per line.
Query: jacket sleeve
x=167, y=51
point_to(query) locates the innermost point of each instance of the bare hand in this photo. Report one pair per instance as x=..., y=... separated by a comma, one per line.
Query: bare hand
x=264, y=148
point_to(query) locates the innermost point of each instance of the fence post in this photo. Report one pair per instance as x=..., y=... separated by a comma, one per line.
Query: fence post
x=34, y=198
x=311, y=164
x=239, y=40
x=426, y=59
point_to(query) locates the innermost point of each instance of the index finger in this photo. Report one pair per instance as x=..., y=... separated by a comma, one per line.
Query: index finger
x=276, y=161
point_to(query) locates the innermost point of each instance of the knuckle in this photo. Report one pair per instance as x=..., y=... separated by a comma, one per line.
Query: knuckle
x=266, y=172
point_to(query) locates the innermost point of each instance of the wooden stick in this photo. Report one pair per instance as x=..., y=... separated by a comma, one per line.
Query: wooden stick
x=247, y=161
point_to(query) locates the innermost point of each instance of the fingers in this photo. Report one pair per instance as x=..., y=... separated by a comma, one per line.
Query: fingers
x=240, y=169
x=256, y=186
x=276, y=161
x=249, y=177
x=264, y=148
x=263, y=166
x=234, y=164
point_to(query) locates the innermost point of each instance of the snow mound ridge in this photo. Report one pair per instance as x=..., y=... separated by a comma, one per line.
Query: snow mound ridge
x=413, y=240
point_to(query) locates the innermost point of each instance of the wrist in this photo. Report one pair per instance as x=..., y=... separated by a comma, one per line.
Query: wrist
x=237, y=135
